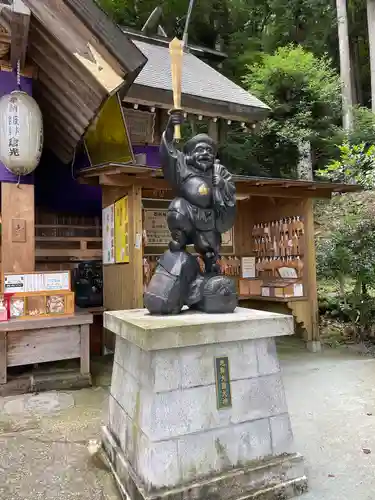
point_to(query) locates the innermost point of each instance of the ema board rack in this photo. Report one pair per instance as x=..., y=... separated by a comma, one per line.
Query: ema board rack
x=39, y=294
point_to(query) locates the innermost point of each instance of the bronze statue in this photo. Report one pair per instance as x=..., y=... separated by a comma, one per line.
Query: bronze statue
x=204, y=208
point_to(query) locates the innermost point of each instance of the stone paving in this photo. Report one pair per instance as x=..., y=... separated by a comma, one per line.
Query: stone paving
x=43, y=443
x=331, y=396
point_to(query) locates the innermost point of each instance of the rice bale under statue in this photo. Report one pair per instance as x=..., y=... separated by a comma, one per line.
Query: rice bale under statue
x=204, y=208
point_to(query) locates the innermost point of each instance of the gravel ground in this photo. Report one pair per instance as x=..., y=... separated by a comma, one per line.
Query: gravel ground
x=331, y=398
x=43, y=443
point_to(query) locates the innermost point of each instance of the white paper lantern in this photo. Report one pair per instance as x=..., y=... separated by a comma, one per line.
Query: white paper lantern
x=21, y=133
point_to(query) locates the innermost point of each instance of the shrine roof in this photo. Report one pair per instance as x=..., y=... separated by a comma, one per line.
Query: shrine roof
x=204, y=89
x=81, y=58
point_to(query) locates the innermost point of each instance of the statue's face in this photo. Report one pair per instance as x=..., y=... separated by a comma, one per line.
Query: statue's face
x=203, y=156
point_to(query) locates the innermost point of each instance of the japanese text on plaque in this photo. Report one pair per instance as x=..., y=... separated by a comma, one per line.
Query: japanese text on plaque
x=223, y=390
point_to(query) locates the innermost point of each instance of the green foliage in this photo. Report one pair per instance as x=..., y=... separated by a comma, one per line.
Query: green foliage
x=249, y=153
x=302, y=90
x=363, y=127
x=348, y=256
x=355, y=165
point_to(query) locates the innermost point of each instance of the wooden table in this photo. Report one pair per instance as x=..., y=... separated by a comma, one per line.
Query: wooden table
x=40, y=340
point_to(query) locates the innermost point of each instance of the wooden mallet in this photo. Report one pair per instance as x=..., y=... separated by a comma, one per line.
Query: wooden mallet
x=176, y=53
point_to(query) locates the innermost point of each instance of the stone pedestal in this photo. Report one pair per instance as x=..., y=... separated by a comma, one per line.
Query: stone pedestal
x=179, y=428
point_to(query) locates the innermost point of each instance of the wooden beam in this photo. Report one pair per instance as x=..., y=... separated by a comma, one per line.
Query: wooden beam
x=30, y=70
x=84, y=331
x=18, y=228
x=213, y=130
x=280, y=192
x=19, y=25
x=3, y=357
x=135, y=244
x=162, y=98
x=310, y=273
x=127, y=181
x=108, y=179
x=76, y=254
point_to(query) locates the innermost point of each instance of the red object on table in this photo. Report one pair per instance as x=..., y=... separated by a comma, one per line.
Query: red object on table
x=5, y=313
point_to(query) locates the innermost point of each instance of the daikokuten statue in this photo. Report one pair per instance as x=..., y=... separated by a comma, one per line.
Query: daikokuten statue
x=204, y=208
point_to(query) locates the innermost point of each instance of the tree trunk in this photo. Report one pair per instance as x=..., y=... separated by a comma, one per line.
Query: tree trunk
x=356, y=61
x=305, y=167
x=371, y=38
x=345, y=69
x=357, y=84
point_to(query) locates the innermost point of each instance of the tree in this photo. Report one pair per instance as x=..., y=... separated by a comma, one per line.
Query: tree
x=371, y=36
x=355, y=162
x=303, y=92
x=356, y=165
x=348, y=255
x=345, y=65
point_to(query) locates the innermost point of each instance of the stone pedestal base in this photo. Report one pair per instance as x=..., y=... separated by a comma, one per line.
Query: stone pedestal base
x=179, y=428
x=275, y=478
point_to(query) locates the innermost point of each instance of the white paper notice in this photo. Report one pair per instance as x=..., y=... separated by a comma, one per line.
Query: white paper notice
x=288, y=273
x=298, y=290
x=56, y=281
x=108, y=221
x=248, y=267
x=14, y=283
x=138, y=241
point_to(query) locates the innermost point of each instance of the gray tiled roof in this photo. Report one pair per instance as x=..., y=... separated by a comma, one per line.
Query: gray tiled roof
x=198, y=78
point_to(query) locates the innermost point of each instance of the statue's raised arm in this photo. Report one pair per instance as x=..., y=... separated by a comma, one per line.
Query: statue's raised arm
x=171, y=159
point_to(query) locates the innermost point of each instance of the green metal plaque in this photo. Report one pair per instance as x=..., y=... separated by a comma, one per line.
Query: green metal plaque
x=223, y=391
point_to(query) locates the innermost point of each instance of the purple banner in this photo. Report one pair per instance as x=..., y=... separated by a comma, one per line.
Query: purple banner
x=57, y=190
x=8, y=83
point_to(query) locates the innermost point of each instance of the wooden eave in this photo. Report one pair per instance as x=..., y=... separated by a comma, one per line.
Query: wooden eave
x=291, y=187
x=161, y=98
x=151, y=178
x=80, y=62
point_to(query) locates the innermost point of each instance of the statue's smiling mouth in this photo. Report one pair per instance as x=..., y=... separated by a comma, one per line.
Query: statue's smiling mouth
x=205, y=159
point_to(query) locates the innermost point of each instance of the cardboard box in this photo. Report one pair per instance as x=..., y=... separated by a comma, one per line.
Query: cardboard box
x=250, y=287
x=282, y=289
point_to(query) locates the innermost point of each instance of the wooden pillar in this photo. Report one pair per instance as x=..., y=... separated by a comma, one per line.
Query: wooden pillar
x=18, y=228
x=213, y=130
x=223, y=131
x=313, y=340
x=123, y=283
x=135, y=245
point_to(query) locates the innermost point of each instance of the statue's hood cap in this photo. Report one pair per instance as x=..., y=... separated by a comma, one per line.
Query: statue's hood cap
x=197, y=139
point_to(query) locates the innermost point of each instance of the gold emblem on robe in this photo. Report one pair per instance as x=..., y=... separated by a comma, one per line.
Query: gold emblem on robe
x=203, y=189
